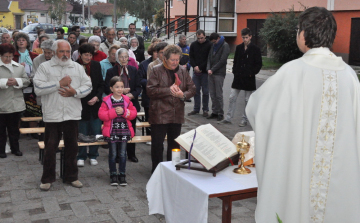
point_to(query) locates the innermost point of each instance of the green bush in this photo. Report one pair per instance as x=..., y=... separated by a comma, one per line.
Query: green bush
x=279, y=32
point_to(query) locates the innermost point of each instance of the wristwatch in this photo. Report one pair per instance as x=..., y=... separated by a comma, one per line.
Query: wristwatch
x=184, y=97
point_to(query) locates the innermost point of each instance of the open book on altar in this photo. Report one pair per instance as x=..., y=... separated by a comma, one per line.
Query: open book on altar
x=210, y=146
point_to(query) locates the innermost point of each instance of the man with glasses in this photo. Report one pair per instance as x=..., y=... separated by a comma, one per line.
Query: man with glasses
x=199, y=51
x=76, y=29
x=306, y=119
x=110, y=40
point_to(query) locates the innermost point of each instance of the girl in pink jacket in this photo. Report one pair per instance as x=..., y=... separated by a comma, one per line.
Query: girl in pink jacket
x=116, y=111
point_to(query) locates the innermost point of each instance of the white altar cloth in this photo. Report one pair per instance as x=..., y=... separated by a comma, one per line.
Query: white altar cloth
x=183, y=195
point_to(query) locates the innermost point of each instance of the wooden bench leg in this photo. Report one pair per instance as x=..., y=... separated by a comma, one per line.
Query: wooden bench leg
x=62, y=164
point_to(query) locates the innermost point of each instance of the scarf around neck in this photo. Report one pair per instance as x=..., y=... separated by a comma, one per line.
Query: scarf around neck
x=25, y=57
x=177, y=79
x=86, y=66
x=217, y=45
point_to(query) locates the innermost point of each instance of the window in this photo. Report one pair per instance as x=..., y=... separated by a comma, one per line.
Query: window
x=42, y=14
x=171, y=3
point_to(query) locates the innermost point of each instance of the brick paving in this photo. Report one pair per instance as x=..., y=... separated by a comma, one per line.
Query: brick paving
x=22, y=201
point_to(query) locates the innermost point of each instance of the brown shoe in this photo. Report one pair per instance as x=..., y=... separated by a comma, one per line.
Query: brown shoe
x=77, y=184
x=205, y=114
x=45, y=187
x=193, y=113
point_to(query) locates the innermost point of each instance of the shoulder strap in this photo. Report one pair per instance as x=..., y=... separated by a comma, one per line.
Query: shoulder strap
x=107, y=45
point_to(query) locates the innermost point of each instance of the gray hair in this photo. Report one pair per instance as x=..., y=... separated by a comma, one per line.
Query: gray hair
x=107, y=30
x=47, y=44
x=56, y=43
x=123, y=38
x=94, y=39
x=120, y=51
x=96, y=28
x=181, y=36
x=134, y=38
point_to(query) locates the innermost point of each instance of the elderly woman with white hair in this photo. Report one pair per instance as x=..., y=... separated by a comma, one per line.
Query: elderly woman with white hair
x=98, y=55
x=124, y=41
x=132, y=88
x=134, y=46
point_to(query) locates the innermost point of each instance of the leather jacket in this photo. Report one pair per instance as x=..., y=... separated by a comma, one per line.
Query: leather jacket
x=164, y=108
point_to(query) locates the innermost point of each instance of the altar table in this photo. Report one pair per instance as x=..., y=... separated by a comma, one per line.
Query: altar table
x=183, y=195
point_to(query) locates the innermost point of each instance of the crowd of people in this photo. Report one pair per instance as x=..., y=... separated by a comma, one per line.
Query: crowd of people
x=306, y=117
x=77, y=84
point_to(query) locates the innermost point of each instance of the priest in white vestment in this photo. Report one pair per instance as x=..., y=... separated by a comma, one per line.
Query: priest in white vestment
x=306, y=120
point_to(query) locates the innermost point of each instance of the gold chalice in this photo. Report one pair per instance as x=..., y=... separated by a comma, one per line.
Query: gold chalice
x=243, y=148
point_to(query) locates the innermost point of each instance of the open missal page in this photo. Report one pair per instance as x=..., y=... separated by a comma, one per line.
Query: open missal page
x=208, y=151
x=217, y=139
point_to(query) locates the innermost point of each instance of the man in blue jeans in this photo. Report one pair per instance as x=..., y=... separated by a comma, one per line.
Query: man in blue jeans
x=199, y=51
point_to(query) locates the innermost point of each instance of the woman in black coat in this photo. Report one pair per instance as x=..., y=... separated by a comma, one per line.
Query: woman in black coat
x=132, y=88
x=90, y=123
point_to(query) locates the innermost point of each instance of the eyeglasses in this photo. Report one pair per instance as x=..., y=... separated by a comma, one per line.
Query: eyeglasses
x=7, y=57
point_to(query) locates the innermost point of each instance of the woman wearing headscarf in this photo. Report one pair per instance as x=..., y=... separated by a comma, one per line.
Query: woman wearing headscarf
x=12, y=79
x=132, y=88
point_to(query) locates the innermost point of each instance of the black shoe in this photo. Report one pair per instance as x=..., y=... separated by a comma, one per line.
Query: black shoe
x=212, y=116
x=220, y=117
x=17, y=153
x=122, y=179
x=114, y=180
x=3, y=155
x=134, y=159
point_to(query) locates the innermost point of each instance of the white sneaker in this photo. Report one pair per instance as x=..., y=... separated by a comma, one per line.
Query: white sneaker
x=93, y=162
x=148, y=143
x=80, y=163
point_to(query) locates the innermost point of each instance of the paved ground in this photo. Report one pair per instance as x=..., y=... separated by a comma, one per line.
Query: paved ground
x=22, y=201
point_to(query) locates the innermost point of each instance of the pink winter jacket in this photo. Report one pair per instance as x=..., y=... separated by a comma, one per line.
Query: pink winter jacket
x=107, y=114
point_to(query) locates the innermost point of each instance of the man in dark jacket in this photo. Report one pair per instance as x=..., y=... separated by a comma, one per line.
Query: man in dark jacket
x=199, y=51
x=216, y=68
x=132, y=29
x=247, y=63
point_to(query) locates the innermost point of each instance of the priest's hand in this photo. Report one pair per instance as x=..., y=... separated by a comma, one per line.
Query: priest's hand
x=67, y=91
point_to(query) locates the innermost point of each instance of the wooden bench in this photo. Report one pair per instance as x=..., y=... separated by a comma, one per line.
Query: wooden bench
x=31, y=119
x=42, y=129
x=135, y=139
x=140, y=117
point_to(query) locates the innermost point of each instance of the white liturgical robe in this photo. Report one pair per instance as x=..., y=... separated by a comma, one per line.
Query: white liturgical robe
x=306, y=120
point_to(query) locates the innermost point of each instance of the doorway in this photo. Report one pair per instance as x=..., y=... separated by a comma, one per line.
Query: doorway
x=255, y=25
x=354, y=54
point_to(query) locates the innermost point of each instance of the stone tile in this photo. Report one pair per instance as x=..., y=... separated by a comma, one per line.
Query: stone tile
x=80, y=209
x=120, y=216
x=104, y=197
x=6, y=214
x=51, y=204
x=18, y=196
